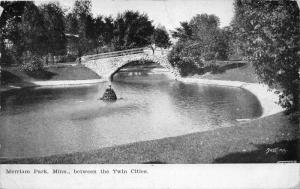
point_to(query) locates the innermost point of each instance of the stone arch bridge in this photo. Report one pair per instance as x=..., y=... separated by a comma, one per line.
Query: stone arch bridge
x=107, y=64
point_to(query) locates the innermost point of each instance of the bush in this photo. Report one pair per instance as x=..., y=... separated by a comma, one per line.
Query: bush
x=31, y=63
x=214, y=69
x=209, y=56
x=185, y=58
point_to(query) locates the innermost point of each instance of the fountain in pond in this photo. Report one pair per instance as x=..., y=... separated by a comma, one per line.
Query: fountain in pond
x=109, y=95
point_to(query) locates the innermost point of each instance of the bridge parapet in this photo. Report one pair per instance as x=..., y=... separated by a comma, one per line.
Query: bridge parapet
x=112, y=54
x=124, y=53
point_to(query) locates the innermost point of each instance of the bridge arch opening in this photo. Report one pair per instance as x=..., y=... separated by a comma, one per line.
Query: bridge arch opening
x=142, y=66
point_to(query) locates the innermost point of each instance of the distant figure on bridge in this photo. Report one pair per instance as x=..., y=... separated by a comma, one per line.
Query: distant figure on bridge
x=153, y=47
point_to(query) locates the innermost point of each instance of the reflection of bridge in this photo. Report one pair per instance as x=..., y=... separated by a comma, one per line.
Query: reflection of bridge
x=106, y=64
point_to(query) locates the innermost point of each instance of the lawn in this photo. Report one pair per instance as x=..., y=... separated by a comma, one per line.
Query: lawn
x=233, y=71
x=51, y=73
x=267, y=140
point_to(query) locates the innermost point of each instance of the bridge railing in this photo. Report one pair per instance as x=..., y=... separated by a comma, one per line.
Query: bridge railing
x=113, y=54
x=145, y=50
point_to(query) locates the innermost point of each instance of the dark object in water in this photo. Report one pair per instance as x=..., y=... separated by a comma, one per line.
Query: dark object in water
x=109, y=95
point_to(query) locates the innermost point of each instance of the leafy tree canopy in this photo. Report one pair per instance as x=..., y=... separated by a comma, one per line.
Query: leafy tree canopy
x=161, y=37
x=204, y=30
x=47, y=32
x=53, y=16
x=80, y=22
x=132, y=29
x=186, y=57
x=11, y=9
x=183, y=32
x=27, y=31
x=270, y=32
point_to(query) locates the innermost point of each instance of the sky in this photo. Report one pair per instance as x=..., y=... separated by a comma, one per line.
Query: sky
x=168, y=13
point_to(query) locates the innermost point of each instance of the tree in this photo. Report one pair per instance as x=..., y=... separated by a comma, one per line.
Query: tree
x=270, y=32
x=11, y=10
x=71, y=24
x=80, y=22
x=33, y=31
x=53, y=16
x=108, y=30
x=235, y=46
x=204, y=30
x=199, y=39
x=203, y=24
x=9, y=32
x=104, y=28
x=161, y=37
x=11, y=13
x=186, y=57
x=131, y=30
x=222, y=44
x=99, y=26
x=184, y=32
x=23, y=27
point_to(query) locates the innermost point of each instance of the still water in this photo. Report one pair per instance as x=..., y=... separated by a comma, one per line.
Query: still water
x=47, y=121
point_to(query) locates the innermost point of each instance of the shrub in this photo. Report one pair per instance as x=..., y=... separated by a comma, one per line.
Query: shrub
x=209, y=56
x=31, y=63
x=186, y=58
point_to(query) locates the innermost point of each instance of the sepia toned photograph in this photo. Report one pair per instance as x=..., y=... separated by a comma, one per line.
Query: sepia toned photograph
x=149, y=82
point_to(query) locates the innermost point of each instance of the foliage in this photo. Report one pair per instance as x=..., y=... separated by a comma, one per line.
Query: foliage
x=270, y=33
x=23, y=29
x=198, y=40
x=204, y=30
x=131, y=30
x=80, y=22
x=184, y=32
x=10, y=11
x=26, y=27
x=47, y=32
x=53, y=16
x=161, y=38
x=211, y=39
x=99, y=26
x=31, y=62
x=186, y=58
x=32, y=31
x=108, y=30
x=222, y=44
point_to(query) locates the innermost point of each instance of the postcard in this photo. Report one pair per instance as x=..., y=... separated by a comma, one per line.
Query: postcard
x=149, y=94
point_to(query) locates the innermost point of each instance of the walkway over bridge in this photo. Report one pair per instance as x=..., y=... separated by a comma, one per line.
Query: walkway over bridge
x=107, y=64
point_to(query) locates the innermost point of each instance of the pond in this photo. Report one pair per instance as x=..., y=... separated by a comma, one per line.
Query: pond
x=46, y=121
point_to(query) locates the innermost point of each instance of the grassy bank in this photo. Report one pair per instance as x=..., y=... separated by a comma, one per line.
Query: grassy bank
x=51, y=73
x=233, y=71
